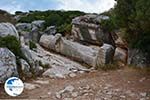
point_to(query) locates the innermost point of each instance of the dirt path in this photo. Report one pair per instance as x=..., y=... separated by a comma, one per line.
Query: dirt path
x=123, y=84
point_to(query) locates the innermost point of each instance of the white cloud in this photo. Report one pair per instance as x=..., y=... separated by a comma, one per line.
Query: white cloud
x=93, y=6
x=11, y=9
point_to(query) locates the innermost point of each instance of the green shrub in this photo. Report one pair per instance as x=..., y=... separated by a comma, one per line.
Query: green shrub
x=134, y=16
x=12, y=44
x=32, y=45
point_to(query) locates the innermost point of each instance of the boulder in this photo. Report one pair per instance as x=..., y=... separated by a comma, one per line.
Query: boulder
x=85, y=29
x=120, y=55
x=32, y=59
x=138, y=58
x=35, y=34
x=8, y=67
x=76, y=51
x=23, y=26
x=38, y=23
x=8, y=29
x=105, y=55
x=25, y=68
x=50, y=30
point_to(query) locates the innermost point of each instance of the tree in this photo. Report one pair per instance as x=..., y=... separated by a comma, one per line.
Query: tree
x=134, y=16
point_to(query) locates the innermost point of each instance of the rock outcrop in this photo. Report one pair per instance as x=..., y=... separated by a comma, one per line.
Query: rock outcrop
x=105, y=55
x=120, y=55
x=23, y=27
x=76, y=51
x=87, y=29
x=138, y=58
x=38, y=23
x=8, y=67
x=51, y=30
x=35, y=67
x=8, y=29
x=25, y=68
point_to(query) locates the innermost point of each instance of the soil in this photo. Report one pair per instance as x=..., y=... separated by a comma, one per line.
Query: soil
x=122, y=84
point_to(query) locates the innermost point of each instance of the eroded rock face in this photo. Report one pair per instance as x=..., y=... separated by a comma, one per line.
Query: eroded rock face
x=50, y=30
x=86, y=29
x=8, y=67
x=78, y=52
x=25, y=68
x=138, y=58
x=23, y=26
x=35, y=34
x=120, y=55
x=36, y=69
x=38, y=23
x=105, y=55
x=8, y=29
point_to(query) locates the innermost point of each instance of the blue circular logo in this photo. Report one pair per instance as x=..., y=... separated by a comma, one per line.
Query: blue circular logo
x=14, y=86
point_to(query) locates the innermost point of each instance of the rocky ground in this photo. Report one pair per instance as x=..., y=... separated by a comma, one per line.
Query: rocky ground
x=121, y=84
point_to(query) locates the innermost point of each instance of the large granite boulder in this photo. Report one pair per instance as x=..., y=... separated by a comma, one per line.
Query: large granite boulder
x=76, y=51
x=8, y=67
x=86, y=29
x=51, y=30
x=138, y=58
x=38, y=23
x=8, y=29
x=35, y=34
x=23, y=27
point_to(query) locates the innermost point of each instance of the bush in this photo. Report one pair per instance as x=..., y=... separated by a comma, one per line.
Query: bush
x=110, y=24
x=134, y=16
x=12, y=44
x=32, y=45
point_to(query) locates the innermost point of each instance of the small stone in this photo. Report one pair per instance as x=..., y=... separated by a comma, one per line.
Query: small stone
x=30, y=86
x=105, y=88
x=67, y=99
x=81, y=72
x=129, y=82
x=42, y=82
x=74, y=94
x=86, y=94
x=69, y=88
x=49, y=93
x=143, y=94
x=142, y=79
x=117, y=90
x=72, y=75
x=58, y=95
x=109, y=93
x=122, y=96
x=131, y=94
x=142, y=99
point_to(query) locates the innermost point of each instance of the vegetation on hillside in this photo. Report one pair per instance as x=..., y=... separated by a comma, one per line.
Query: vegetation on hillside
x=60, y=19
x=6, y=17
x=133, y=18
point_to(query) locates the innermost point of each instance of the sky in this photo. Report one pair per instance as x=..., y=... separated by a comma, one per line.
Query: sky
x=89, y=6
